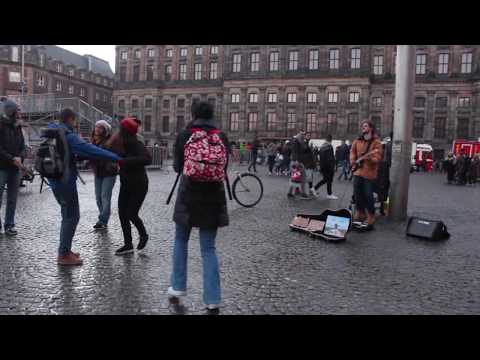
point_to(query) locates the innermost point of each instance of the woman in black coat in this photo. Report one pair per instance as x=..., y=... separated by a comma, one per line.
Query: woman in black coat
x=133, y=183
x=202, y=205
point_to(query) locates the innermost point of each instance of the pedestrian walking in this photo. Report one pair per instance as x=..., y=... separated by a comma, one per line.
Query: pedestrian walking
x=310, y=165
x=201, y=203
x=105, y=174
x=327, y=168
x=65, y=189
x=253, y=155
x=342, y=156
x=277, y=169
x=241, y=150
x=461, y=168
x=475, y=169
x=449, y=166
x=369, y=148
x=271, y=152
x=133, y=183
x=12, y=153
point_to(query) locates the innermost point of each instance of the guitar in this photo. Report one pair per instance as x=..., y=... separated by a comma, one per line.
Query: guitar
x=359, y=162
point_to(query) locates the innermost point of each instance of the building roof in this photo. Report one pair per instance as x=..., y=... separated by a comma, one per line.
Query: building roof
x=97, y=65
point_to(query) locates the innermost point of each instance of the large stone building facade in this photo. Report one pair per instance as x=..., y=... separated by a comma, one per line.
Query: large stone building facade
x=273, y=91
x=53, y=70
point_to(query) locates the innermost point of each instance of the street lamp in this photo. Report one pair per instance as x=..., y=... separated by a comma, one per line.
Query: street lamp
x=402, y=131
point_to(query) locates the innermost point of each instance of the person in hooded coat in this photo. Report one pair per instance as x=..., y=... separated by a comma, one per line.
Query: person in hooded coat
x=200, y=205
x=105, y=173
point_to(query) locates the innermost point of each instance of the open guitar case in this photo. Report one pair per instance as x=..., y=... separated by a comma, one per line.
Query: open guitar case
x=313, y=224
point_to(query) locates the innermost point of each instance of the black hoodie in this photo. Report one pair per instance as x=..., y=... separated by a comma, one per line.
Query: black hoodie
x=12, y=143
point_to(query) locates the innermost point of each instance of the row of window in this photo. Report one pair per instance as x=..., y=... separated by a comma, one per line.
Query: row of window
x=334, y=61
x=353, y=124
x=273, y=123
x=378, y=64
x=442, y=102
x=182, y=74
x=293, y=60
x=198, y=51
x=443, y=62
x=312, y=124
x=440, y=128
x=166, y=103
x=353, y=97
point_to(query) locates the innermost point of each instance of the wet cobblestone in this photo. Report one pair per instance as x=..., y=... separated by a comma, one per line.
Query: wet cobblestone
x=265, y=268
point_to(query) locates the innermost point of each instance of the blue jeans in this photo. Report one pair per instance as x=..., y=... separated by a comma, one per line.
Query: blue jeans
x=11, y=178
x=344, y=165
x=103, y=193
x=67, y=198
x=211, y=275
x=363, y=191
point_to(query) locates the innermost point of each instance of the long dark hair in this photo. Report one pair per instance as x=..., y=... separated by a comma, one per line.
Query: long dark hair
x=103, y=136
x=121, y=141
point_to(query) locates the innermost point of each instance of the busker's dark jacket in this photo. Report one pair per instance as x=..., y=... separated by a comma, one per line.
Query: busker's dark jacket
x=198, y=204
x=12, y=143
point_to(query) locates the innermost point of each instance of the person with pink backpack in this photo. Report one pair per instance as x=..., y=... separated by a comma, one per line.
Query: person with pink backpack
x=201, y=157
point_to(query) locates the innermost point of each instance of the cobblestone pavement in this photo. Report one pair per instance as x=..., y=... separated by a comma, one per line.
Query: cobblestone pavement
x=265, y=268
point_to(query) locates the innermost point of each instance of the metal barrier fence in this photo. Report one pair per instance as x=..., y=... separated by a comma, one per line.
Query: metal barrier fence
x=159, y=156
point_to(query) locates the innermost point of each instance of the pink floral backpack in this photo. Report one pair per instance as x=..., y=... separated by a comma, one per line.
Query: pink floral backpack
x=205, y=156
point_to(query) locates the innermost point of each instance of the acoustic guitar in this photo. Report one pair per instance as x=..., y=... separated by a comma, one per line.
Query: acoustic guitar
x=360, y=161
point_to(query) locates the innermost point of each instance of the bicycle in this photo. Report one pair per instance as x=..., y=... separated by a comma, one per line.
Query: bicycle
x=247, y=189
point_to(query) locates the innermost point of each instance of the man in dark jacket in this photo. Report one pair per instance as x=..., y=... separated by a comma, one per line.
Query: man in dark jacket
x=462, y=168
x=12, y=150
x=254, y=155
x=327, y=167
x=343, y=154
x=202, y=205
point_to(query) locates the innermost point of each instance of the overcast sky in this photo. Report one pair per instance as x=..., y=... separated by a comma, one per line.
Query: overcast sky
x=105, y=52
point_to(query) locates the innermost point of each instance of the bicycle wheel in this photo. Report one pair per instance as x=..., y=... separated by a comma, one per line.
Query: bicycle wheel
x=247, y=190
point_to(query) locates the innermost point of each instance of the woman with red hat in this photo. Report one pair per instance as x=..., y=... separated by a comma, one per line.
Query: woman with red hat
x=133, y=182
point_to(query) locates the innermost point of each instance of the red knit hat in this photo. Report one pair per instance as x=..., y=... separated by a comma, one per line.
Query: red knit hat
x=130, y=125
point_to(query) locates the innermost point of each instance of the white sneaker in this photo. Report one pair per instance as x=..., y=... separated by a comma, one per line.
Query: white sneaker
x=313, y=192
x=176, y=293
x=332, y=197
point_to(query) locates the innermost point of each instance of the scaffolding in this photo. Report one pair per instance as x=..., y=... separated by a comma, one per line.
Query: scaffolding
x=40, y=109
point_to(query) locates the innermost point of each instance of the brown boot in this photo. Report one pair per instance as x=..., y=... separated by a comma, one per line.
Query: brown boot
x=370, y=221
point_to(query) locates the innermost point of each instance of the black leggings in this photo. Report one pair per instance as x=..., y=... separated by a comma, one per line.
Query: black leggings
x=130, y=201
x=271, y=162
x=253, y=162
x=327, y=179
